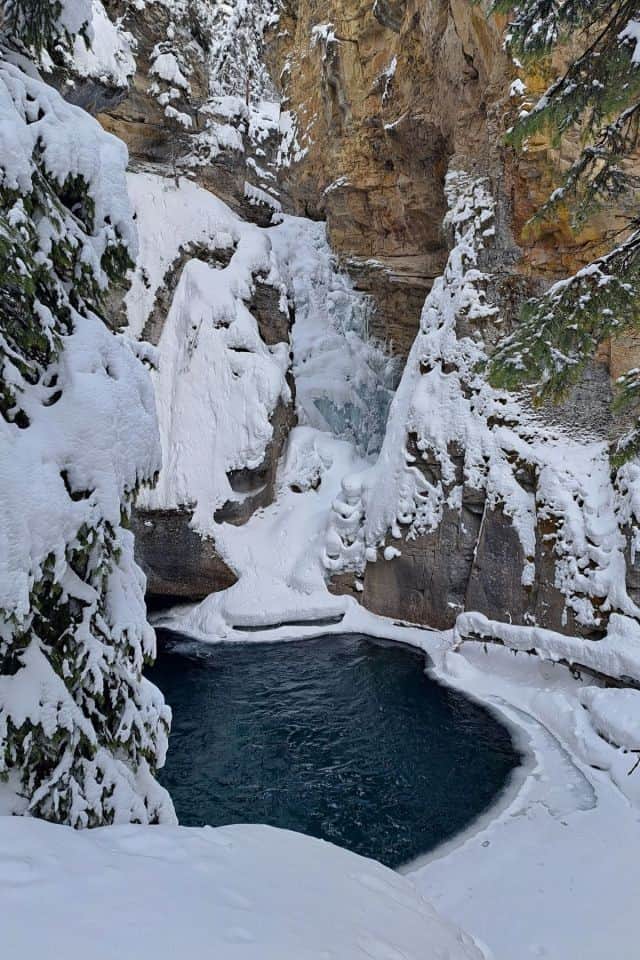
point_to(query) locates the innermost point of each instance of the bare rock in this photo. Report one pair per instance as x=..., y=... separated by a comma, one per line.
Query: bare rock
x=177, y=561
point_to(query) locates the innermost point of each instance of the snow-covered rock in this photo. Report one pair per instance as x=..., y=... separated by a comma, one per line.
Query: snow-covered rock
x=218, y=383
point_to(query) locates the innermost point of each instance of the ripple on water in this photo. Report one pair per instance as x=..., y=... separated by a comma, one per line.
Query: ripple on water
x=341, y=737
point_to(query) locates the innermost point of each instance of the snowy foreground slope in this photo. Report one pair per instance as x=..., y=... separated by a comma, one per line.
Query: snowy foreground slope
x=138, y=893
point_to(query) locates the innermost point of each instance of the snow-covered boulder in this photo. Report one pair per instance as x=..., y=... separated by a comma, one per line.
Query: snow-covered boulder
x=138, y=893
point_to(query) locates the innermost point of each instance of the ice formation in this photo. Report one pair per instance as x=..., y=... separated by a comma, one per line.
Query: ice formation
x=344, y=379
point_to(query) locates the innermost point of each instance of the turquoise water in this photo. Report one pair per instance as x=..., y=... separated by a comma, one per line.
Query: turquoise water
x=342, y=737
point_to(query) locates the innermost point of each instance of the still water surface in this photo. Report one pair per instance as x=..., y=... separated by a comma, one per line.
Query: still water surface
x=342, y=737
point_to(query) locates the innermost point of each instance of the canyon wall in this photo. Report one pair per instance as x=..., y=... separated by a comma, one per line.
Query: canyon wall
x=183, y=127
x=389, y=95
x=379, y=100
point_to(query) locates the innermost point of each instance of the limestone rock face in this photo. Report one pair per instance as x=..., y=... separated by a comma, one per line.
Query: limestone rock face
x=385, y=94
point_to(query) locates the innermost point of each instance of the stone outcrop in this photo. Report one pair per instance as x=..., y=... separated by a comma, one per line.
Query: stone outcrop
x=179, y=564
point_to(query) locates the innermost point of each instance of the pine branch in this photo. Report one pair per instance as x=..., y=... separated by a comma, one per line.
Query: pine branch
x=560, y=332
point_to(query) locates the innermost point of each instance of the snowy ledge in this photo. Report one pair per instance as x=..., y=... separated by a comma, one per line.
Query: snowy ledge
x=543, y=872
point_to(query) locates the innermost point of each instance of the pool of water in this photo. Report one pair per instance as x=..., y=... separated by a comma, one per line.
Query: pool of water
x=342, y=737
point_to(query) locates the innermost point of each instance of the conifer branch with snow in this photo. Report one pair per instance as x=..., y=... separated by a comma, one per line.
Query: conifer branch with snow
x=599, y=95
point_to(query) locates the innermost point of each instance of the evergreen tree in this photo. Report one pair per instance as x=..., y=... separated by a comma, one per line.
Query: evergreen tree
x=49, y=26
x=599, y=95
x=81, y=731
x=237, y=66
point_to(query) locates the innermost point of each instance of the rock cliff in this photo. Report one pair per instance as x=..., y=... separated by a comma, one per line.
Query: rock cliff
x=388, y=96
x=379, y=102
x=185, y=127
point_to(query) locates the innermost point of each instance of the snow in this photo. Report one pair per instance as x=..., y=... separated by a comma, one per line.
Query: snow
x=69, y=143
x=102, y=432
x=388, y=76
x=631, y=34
x=255, y=195
x=550, y=848
x=278, y=553
x=72, y=144
x=217, y=384
x=324, y=34
x=544, y=873
x=555, y=872
x=208, y=418
x=344, y=378
x=615, y=714
x=165, y=66
x=74, y=15
x=109, y=57
x=150, y=893
x=170, y=219
x=617, y=655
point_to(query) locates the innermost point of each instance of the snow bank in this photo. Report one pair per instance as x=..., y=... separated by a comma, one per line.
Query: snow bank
x=561, y=854
x=608, y=728
x=615, y=714
x=149, y=893
x=617, y=655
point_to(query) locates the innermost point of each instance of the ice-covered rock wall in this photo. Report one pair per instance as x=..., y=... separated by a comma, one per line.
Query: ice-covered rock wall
x=474, y=498
x=477, y=501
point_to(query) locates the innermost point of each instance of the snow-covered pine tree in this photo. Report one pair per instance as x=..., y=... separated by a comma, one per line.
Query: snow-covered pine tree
x=237, y=65
x=46, y=26
x=81, y=731
x=599, y=94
